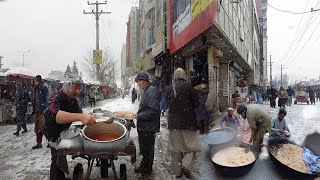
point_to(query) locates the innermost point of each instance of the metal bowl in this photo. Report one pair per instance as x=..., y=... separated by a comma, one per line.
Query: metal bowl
x=220, y=138
x=101, y=127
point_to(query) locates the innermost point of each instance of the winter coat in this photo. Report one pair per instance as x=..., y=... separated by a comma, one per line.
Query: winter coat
x=59, y=101
x=41, y=98
x=22, y=99
x=283, y=94
x=201, y=110
x=181, y=114
x=257, y=117
x=148, y=115
x=290, y=92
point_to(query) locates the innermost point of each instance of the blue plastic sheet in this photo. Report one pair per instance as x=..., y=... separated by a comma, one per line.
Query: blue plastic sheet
x=312, y=161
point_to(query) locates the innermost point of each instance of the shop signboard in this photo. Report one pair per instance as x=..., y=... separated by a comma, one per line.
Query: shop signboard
x=97, y=56
x=189, y=18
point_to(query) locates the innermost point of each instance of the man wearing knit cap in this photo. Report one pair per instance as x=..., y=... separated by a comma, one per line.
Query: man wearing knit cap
x=182, y=123
x=148, y=122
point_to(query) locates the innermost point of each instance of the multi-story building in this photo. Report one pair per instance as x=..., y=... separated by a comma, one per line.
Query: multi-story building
x=217, y=41
x=57, y=75
x=264, y=6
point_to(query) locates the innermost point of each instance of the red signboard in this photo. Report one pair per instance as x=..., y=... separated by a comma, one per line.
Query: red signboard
x=189, y=18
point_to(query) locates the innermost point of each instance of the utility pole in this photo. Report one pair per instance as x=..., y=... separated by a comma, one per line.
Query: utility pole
x=97, y=14
x=270, y=71
x=1, y=61
x=23, y=53
x=282, y=67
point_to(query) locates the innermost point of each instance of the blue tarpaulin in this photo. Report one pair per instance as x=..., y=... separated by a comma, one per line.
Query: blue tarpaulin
x=312, y=161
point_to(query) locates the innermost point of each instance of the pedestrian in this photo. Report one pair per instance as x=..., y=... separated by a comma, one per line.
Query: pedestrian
x=290, y=93
x=63, y=110
x=283, y=97
x=133, y=95
x=138, y=94
x=92, y=96
x=259, y=121
x=82, y=96
x=230, y=120
x=318, y=95
x=235, y=97
x=148, y=122
x=22, y=99
x=163, y=102
x=279, y=127
x=311, y=95
x=183, y=142
x=201, y=111
x=273, y=96
x=41, y=94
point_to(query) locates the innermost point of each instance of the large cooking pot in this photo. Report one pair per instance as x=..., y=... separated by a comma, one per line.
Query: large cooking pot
x=239, y=170
x=98, y=146
x=283, y=169
x=220, y=138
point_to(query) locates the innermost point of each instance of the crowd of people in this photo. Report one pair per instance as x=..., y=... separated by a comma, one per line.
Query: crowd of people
x=184, y=103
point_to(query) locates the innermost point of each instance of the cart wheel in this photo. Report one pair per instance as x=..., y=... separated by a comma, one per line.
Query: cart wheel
x=123, y=172
x=78, y=172
x=104, y=168
x=295, y=102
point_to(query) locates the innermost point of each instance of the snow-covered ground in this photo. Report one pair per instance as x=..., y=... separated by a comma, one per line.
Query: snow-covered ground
x=19, y=161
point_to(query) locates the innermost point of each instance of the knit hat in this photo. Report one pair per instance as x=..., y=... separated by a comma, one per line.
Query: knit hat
x=142, y=76
x=241, y=108
x=180, y=74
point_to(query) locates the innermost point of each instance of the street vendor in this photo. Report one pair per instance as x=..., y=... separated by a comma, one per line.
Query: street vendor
x=148, y=122
x=62, y=111
x=279, y=127
x=230, y=120
x=259, y=121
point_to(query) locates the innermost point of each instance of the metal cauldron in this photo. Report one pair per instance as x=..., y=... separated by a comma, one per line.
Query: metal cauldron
x=238, y=170
x=116, y=145
x=283, y=169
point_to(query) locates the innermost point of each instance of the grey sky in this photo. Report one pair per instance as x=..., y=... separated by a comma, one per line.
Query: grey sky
x=57, y=32
x=281, y=30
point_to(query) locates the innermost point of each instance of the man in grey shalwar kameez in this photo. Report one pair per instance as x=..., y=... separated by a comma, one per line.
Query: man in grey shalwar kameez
x=183, y=137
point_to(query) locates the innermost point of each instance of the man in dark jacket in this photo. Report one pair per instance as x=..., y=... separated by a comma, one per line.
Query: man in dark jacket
x=22, y=99
x=133, y=95
x=290, y=93
x=148, y=122
x=184, y=140
x=40, y=104
x=63, y=110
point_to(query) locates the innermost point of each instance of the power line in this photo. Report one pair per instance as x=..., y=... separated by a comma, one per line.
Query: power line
x=294, y=37
x=306, y=42
x=286, y=11
x=301, y=34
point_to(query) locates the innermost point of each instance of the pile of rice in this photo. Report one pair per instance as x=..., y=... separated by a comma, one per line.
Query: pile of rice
x=292, y=156
x=233, y=157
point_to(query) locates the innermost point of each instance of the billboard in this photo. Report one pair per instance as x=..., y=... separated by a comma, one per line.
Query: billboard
x=189, y=18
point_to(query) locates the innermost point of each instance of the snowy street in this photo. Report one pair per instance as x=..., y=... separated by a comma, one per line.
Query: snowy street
x=19, y=161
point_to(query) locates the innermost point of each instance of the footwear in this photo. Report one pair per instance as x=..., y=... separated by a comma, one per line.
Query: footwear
x=162, y=113
x=180, y=176
x=37, y=146
x=24, y=131
x=140, y=169
x=16, y=133
x=187, y=173
x=48, y=146
x=146, y=172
